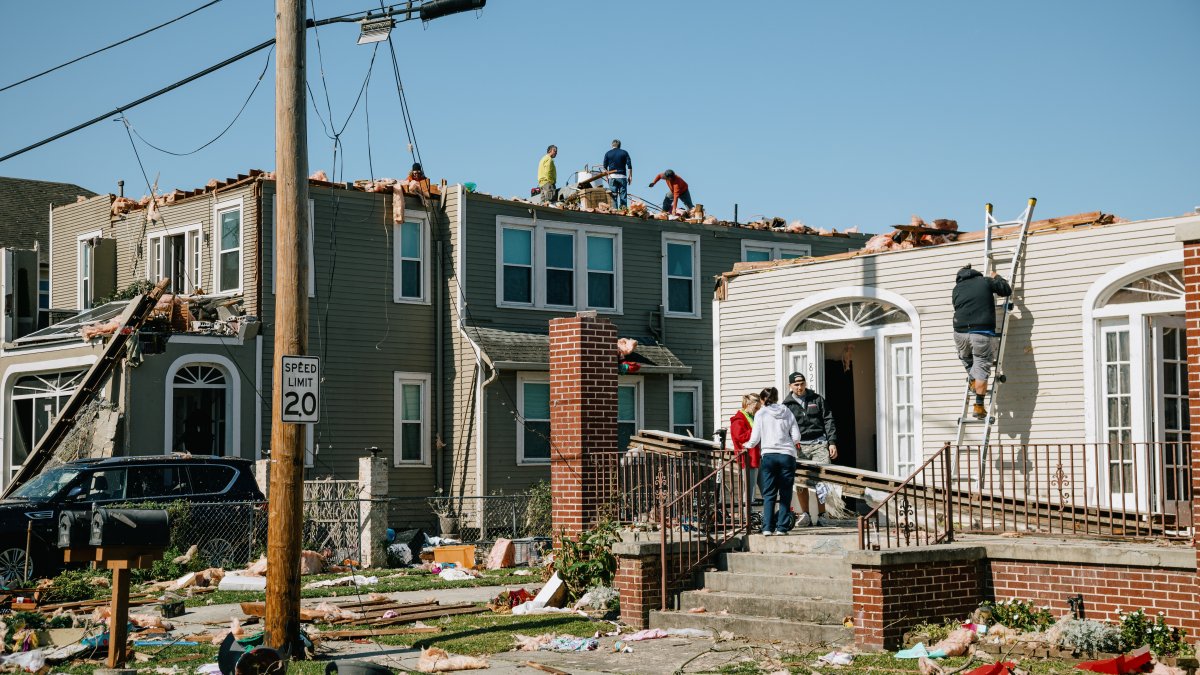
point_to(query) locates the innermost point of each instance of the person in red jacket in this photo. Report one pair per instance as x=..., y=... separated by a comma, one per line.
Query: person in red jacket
x=679, y=191
x=740, y=427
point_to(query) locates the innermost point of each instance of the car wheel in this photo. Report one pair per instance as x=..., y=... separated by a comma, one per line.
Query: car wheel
x=12, y=565
x=217, y=552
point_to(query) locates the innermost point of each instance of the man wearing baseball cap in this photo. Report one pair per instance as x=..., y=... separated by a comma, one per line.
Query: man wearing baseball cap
x=818, y=435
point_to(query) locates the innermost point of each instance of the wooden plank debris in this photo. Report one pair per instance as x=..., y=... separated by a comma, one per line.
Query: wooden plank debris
x=375, y=632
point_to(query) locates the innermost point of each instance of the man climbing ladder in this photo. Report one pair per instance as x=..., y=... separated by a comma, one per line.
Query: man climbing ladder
x=975, y=335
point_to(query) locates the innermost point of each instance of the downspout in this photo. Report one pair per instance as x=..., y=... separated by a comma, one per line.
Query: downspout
x=480, y=357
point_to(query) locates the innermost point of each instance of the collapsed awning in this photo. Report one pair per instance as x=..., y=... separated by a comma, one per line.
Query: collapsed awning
x=515, y=350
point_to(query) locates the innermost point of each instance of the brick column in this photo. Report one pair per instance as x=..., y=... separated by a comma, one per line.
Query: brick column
x=583, y=418
x=638, y=581
x=1189, y=234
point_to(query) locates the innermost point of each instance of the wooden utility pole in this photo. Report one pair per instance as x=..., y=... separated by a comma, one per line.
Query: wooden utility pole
x=291, y=328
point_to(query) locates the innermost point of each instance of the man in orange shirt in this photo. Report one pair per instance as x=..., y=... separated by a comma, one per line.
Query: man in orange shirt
x=679, y=191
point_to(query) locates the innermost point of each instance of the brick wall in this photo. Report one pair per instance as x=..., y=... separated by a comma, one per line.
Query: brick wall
x=1104, y=588
x=890, y=599
x=583, y=417
x=1191, y=283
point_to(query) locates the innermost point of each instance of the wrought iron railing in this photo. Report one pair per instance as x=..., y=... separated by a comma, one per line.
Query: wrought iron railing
x=1109, y=490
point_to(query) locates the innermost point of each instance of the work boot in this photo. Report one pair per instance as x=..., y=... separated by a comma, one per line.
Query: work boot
x=979, y=411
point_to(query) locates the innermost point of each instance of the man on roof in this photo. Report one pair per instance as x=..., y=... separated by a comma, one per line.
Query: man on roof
x=679, y=191
x=548, y=175
x=618, y=161
x=975, y=337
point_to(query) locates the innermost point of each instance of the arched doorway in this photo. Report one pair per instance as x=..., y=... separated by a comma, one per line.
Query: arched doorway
x=858, y=348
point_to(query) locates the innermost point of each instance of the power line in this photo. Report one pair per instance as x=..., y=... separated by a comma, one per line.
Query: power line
x=115, y=44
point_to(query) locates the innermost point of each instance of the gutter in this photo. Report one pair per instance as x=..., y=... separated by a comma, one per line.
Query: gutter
x=481, y=357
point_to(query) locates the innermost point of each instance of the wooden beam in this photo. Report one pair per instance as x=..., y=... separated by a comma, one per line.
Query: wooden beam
x=375, y=632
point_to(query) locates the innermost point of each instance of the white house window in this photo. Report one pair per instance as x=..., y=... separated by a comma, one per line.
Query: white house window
x=312, y=240
x=1118, y=404
x=554, y=265
x=412, y=441
x=762, y=251
x=601, y=272
x=412, y=250
x=85, y=279
x=516, y=286
x=36, y=401
x=681, y=268
x=175, y=254
x=533, y=424
x=685, y=408
x=852, y=315
x=200, y=401
x=629, y=409
x=1164, y=285
x=229, y=248
x=560, y=269
x=903, y=424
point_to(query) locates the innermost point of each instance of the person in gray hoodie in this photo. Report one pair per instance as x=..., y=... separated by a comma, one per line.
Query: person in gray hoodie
x=777, y=435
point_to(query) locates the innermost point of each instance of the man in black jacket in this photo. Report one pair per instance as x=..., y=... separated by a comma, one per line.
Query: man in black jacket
x=975, y=335
x=818, y=434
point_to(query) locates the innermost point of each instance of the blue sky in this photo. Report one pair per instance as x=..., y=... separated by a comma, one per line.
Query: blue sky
x=834, y=113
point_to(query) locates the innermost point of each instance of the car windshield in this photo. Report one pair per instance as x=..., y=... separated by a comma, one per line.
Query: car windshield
x=47, y=484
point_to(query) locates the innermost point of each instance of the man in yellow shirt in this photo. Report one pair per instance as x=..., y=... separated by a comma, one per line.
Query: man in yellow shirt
x=548, y=176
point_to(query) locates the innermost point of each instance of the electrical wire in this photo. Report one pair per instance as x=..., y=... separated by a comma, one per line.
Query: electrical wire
x=227, y=126
x=115, y=44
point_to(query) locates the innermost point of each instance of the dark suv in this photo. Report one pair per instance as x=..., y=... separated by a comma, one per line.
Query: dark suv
x=224, y=517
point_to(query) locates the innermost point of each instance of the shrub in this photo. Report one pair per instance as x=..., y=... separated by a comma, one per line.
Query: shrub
x=587, y=561
x=1020, y=615
x=1138, y=629
x=538, y=517
x=1085, y=636
x=75, y=585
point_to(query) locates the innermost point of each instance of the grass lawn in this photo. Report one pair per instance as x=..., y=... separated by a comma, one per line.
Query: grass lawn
x=473, y=634
x=413, y=580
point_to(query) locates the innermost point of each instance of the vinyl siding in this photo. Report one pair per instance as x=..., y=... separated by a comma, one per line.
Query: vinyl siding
x=1044, y=398
x=461, y=376
x=641, y=275
x=69, y=222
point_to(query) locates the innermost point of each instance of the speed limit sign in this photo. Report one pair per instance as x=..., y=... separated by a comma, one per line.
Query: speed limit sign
x=300, y=393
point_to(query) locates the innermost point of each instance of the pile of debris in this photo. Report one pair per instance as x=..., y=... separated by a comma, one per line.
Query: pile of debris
x=916, y=234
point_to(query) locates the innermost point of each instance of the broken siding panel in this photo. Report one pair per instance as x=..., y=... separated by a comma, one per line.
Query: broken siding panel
x=69, y=222
x=1046, y=331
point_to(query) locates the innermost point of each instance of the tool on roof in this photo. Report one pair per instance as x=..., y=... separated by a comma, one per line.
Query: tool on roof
x=975, y=432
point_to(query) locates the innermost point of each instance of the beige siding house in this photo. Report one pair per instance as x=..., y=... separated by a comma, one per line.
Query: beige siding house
x=1095, y=350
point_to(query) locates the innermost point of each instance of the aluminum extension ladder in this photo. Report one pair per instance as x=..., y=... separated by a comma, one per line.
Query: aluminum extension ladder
x=973, y=432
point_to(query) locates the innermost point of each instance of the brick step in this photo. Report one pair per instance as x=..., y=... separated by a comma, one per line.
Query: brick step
x=808, y=540
x=788, y=608
x=798, y=564
x=757, y=627
x=802, y=586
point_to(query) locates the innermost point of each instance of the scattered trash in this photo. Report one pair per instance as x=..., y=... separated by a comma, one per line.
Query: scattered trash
x=187, y=556
x=506, y=600
x=435, y=660
x=567, y=643
x=697, y=610
x=522, y=573
x=619, y=647
x=836, y=658
x=1130, y=662
x=237, y=582
x=647, y=634
x=454, y=574
x=552, y=595
x=502, y=554
x=31, y=661
x=311, y=562
x=209, y=669
x=997, y=668
x=917, y=651
x=353, y=580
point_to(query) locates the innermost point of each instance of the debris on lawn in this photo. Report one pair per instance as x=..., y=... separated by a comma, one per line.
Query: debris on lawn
x=506, y=600
x=502, y=555
x=454, y=574
x=434, y=660
x=235, y=581
x=836, y=658
x=354, y=580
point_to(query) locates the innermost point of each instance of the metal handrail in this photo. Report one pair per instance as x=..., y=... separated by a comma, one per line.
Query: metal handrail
x=909, y=484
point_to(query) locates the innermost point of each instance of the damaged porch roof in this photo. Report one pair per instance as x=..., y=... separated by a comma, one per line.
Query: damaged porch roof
x=514, y=350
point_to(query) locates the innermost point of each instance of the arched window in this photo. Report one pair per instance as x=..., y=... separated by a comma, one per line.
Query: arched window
x=200, y=403
x=851, y=315
x=36, y=401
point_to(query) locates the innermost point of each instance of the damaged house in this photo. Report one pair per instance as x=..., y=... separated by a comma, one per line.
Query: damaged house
x=430, y=316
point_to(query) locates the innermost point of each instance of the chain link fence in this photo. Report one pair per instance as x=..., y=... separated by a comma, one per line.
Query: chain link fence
x=475, y=519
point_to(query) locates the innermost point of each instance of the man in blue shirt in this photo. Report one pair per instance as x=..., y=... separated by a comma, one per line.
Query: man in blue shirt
x=618, y=160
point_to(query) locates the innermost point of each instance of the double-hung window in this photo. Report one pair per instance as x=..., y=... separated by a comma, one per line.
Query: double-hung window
x=685, y=407
x=681, y=270
x=412, y=431
x=411, y=254
x=175, y=254
x=762, y=251
x=533, y=422
x=228, y=276
x=554, y=265
x=85, y=277
x=629, y=409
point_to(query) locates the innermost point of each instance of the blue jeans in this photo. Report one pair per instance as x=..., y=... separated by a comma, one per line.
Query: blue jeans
x=685, y=198
x=776, y=479
x=620, y=190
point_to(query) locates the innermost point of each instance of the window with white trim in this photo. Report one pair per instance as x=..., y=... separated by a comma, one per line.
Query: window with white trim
x=533, y=420
x=763, y=251
x=200, y=400
x=685, y=407
x=312, y=239
x=85, y=275
x=175, y=254
x=552, y=265
x=412, y=430
x=410, y=255
x=36, y=402
x=681, y=274
x=1117, y=406
x=629, y=409
x=903, y=418
x=228, y=257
